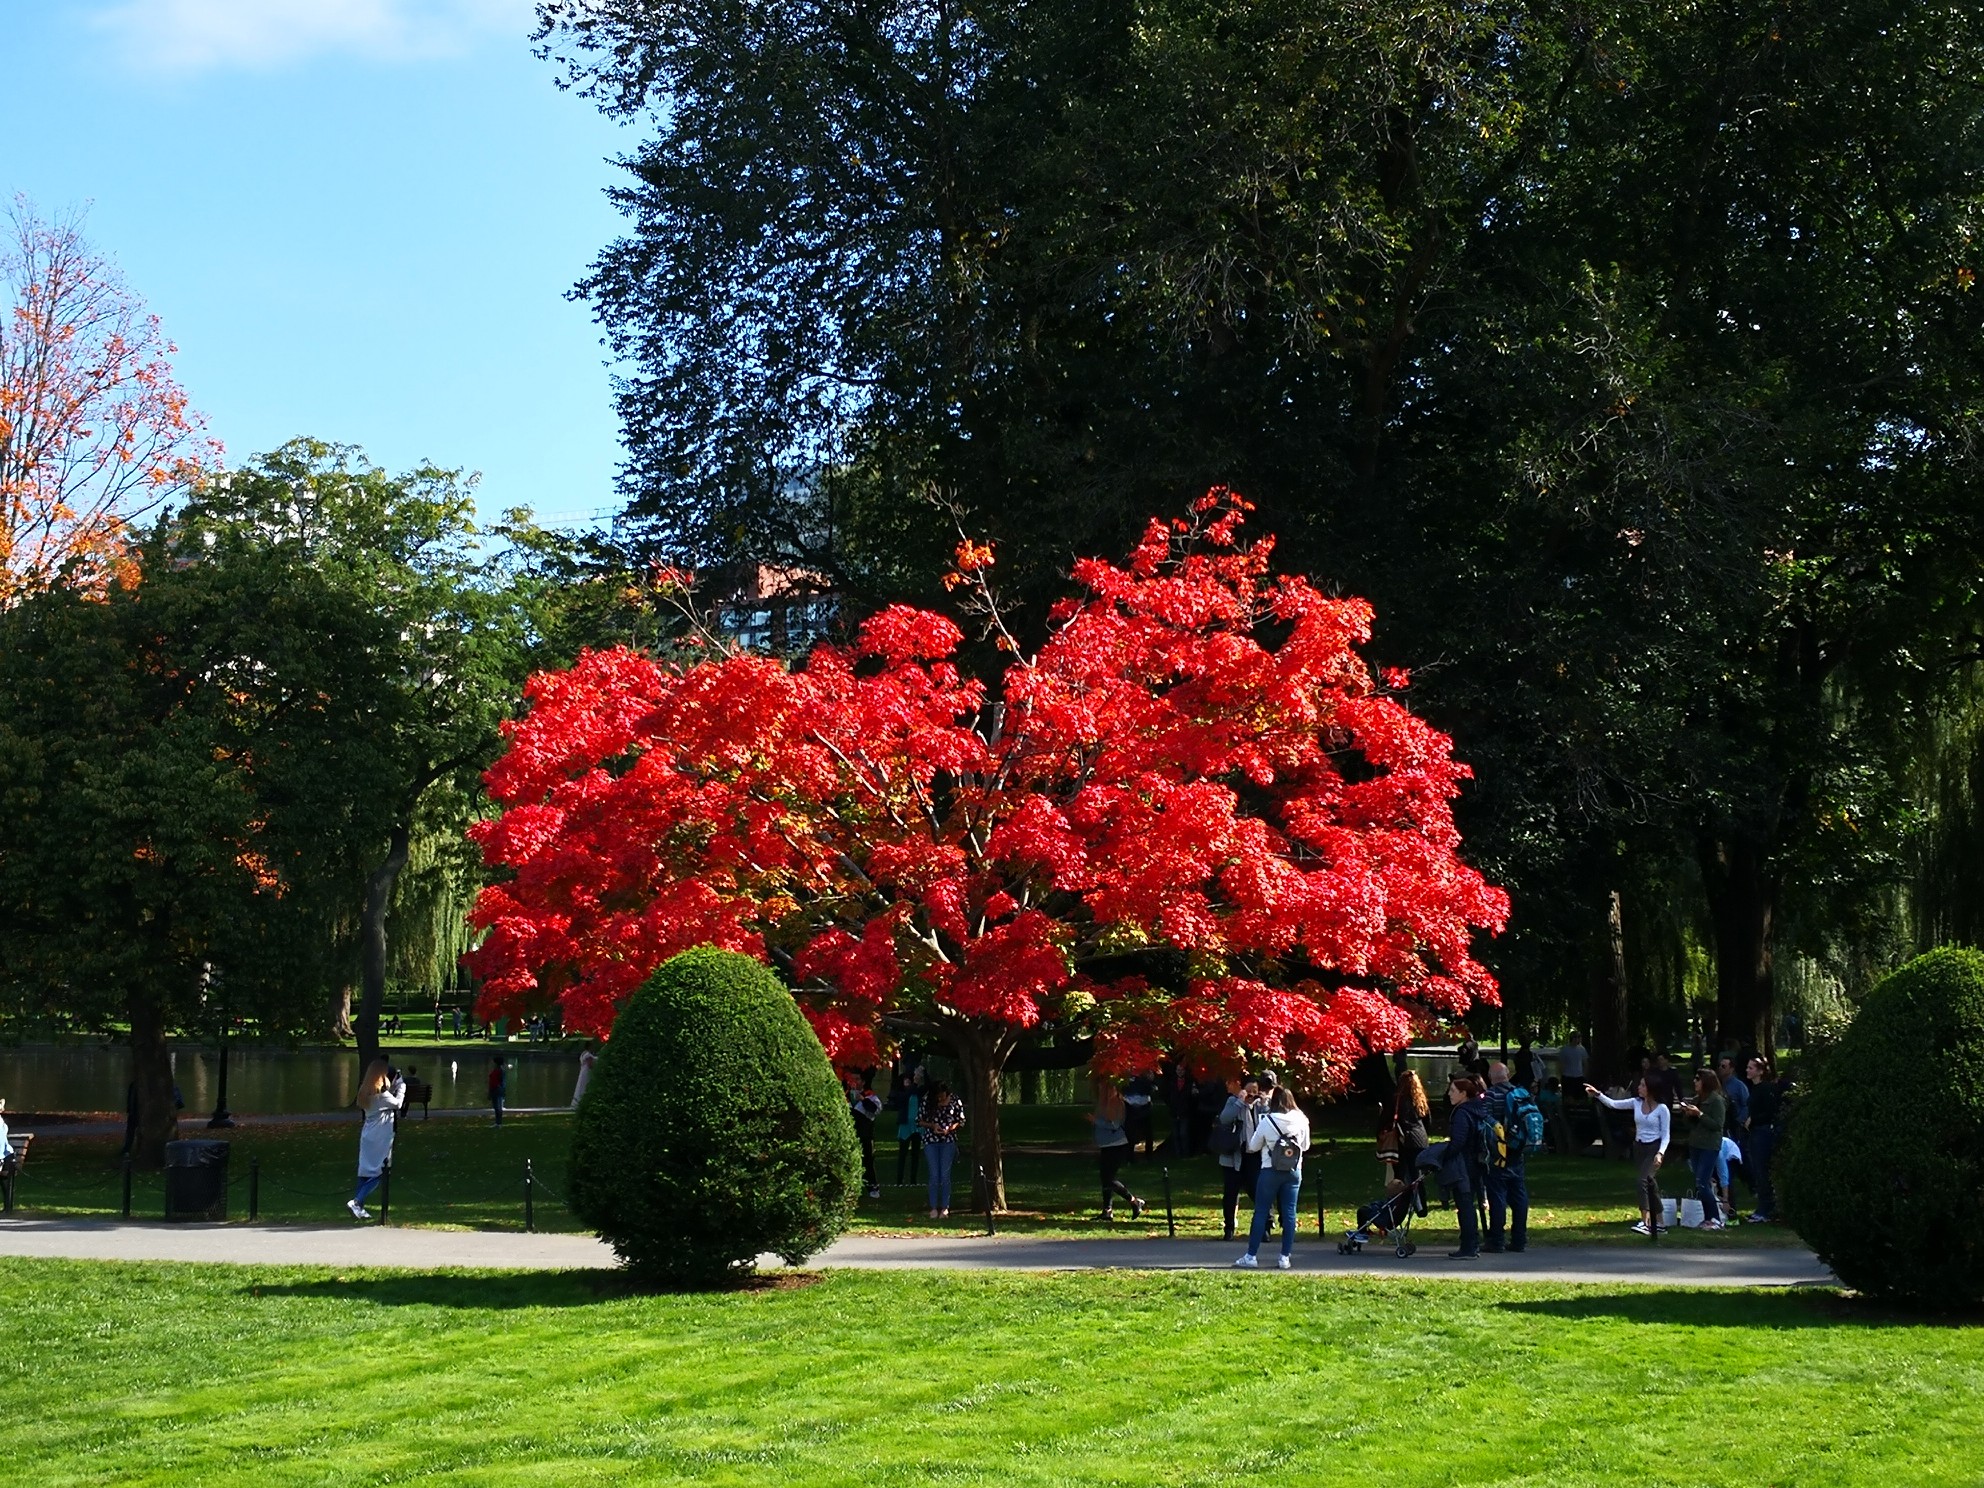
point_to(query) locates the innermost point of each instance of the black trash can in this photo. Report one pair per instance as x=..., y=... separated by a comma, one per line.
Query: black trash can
x=196, y=1179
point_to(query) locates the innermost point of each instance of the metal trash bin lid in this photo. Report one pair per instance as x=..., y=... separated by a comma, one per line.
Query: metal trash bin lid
x=195, y=1152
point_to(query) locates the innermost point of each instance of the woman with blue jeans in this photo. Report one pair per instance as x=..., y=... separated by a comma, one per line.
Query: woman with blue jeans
x=1711, y=1112
x=943, y=1114
x=1281, y=1136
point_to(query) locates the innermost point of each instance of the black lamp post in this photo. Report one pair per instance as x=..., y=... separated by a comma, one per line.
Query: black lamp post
x=222, y=1117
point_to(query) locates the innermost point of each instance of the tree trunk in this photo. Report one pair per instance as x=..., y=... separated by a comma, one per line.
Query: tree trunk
x=983, y=1057
x=372, y=959
x=1743, y=903
x=1608, y=1000
x=151, y=1068
x=341, y=1013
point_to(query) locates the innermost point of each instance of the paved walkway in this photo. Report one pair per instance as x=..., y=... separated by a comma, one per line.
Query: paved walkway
x=426, y=1249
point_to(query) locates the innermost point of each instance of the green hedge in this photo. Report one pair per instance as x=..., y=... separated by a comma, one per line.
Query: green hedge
x=714, y=1130
x=1883, y=1167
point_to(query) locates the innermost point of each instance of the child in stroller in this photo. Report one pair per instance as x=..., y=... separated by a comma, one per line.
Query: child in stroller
x=1390, y=1217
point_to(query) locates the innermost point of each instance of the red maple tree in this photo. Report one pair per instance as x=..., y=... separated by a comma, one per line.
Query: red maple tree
x=1192, y=823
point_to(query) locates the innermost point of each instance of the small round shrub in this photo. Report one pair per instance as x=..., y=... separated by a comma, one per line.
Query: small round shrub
x=713, y=1130
x=1882, y=1172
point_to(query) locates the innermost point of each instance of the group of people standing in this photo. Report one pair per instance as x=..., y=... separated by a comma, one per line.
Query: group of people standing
x=1736, y=1118
x=1472, y=1168
x=929, y=1117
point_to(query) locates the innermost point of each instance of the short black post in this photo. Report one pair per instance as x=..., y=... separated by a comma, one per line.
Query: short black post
x=254, y=1187
x=127, y=1185
x=1322, y=1214
x=985, y=1188
x=385, y=1191
x=1170, y=1218
x=530, y=1217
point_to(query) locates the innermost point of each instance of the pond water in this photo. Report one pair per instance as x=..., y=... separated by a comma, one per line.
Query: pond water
x=277, y=1081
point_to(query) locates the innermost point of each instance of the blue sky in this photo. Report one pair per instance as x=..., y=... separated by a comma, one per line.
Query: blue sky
x=357, y=218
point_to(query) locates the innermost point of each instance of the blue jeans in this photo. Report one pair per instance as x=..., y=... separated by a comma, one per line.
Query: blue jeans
x=365, y=1187
x=1274, y=1191
x=1763, y=1144
x=1702, y=1164
x=941, y=1156
x=1508, y=1198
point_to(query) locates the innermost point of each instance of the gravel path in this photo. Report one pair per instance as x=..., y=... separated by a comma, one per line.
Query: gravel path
x=429, y=1249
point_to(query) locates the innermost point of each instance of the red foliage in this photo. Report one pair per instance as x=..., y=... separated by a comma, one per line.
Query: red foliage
x=1197, y=760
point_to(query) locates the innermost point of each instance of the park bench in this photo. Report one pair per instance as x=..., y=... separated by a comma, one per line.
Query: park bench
x=419, y=1092
x=11, y=1166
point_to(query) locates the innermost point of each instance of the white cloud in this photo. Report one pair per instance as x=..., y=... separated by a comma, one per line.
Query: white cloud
x=202, y=35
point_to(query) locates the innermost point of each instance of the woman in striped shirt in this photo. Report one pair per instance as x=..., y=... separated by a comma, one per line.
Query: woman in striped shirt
x=1652, y=1125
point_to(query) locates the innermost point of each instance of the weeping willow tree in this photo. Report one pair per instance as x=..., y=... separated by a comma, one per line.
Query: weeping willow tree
x=427, y=929
x=1945, y=900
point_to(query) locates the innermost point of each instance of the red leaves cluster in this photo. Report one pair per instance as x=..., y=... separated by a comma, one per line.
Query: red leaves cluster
x=1196, y=760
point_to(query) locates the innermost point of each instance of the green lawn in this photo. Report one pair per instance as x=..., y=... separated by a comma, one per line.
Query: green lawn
x=461, y=1171
x=140, y=1374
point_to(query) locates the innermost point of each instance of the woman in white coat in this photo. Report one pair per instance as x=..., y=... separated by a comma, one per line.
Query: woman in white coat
x=380, y=1095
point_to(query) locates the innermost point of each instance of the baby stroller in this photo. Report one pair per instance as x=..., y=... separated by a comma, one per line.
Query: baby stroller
x=1390, y=1217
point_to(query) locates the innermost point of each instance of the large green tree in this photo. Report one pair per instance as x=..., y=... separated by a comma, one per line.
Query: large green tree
x=218, y=768
x=170, y=763
x=391, y=571
x=1626, y=355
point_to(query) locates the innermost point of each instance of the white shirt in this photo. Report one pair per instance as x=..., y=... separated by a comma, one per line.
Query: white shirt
x=1272, y=1126
x=1648, y=1126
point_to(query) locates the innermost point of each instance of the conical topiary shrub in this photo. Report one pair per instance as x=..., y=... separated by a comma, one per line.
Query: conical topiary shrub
x=1883, y=1167
x=714, y=1130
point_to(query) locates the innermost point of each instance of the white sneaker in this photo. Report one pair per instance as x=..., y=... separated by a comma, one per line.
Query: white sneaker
x=1246, y=1263
x=358, y=1210
x=1710, y=1224
x=1282, y=1262
x=1641, y=1229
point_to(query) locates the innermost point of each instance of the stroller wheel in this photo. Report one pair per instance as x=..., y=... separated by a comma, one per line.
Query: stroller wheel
x=1406, y=1248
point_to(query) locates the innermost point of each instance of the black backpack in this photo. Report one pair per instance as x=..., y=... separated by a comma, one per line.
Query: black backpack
x=1224, y=1138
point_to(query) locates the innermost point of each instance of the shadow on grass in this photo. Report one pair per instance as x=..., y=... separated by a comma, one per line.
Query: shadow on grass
x=1734, y=1308
x=510, y=1290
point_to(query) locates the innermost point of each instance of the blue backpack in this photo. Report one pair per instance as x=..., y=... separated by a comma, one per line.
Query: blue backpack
x=1520, y=1128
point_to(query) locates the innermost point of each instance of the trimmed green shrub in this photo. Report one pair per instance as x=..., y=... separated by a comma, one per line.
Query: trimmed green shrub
x=713, y=1130
x=1882, y=1172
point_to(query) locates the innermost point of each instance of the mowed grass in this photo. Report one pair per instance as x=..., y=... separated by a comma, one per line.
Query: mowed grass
x=462, y=1171
x=122, y=1374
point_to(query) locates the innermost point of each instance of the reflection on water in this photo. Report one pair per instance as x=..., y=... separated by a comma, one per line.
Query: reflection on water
x=278, y=1081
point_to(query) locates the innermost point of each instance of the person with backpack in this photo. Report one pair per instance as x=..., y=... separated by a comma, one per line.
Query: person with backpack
x=1408, y=1125
x=1518, y=1129
x=1228, y=1139
x=1281, y=1136
x=1464, y=1165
